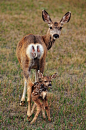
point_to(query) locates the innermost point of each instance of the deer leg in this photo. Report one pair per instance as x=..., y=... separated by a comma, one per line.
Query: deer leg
x=42, y=64
x=39, y=106
x=22, y=102
x=43, y=94
x=26, y=71
x=47, y=109
x=36, y=76
x=29, y=89
x=34, y=105
x=38, y=67
x=43, y=111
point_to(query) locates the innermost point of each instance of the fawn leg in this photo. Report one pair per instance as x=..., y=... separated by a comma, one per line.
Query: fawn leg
x=39, y=106
x=22, y=102
x=34, y=105
x=47, y=109
x=43, y=94
x=43, y=111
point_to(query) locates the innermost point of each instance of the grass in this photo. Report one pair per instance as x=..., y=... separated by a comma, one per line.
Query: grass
x=68, y=95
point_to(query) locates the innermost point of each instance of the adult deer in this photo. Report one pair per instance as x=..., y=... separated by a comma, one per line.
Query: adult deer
x=32, y=51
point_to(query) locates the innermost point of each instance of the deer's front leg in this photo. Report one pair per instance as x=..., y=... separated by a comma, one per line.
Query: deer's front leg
x=36, y=75
x=43, y=111
x=42, y=63
x=47, y=109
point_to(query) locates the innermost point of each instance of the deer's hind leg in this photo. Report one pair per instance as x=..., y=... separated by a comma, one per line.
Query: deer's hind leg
x=29, y=90
x=22, y=102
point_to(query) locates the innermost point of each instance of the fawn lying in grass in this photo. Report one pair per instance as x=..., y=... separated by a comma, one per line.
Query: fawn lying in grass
x=39, y=95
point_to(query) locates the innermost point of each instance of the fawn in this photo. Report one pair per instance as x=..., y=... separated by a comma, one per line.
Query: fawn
x=32, y=50
x=39, y=95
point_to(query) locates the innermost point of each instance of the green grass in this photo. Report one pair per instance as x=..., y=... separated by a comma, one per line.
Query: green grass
x=68, y=99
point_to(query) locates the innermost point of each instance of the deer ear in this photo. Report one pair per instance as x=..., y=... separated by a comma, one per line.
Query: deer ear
x=54, y=76
x=66, y=18
x=40, y=75
x=46, y=17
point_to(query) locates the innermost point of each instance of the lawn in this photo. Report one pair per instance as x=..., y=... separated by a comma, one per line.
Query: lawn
x=67, y=98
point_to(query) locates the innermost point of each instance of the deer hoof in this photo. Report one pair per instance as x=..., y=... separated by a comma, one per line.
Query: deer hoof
x=49, y=119
x=32, y=122
x=28, y=118
x=44, y=118
x=28, y=115
x=22, y=103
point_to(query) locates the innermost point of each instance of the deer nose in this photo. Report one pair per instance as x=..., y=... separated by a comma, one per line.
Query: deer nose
x=49, y=85
x=56, y=36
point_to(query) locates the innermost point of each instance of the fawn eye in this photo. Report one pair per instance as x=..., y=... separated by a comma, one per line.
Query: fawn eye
x=45, y=81
x=50, y=27
x=50, y=81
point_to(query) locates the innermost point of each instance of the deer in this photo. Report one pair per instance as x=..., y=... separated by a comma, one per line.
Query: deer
x=39, y=95
x=32, y=51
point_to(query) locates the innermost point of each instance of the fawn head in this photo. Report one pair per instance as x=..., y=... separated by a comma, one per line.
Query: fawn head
x=46, y=80
x=55, y=27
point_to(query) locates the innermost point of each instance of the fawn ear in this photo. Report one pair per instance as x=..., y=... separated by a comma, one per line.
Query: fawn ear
x=40, y=75
x=66, y=18
x=54, y=76
x=46, y=17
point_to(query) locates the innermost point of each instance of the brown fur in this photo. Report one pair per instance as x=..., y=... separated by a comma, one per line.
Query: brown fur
x=39, y=92
x=46, y=42
x=21, y=52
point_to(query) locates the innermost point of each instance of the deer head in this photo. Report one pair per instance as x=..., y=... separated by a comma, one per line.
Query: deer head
x=55, y=27
x=46, y=80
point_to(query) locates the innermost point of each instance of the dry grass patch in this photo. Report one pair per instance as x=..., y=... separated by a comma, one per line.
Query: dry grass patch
x=67, y=98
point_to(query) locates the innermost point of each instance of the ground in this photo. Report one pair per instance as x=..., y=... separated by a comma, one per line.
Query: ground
x=67, y=98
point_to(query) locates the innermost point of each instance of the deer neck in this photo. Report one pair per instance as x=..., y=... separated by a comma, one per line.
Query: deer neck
x=48, y=40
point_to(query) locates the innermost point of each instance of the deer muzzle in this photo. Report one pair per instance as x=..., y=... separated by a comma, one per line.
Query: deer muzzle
x=49, y=85
x=56, y=36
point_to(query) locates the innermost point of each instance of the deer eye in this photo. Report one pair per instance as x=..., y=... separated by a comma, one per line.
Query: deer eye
x=50, y=27
x=45, y=81
x=50, y=81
